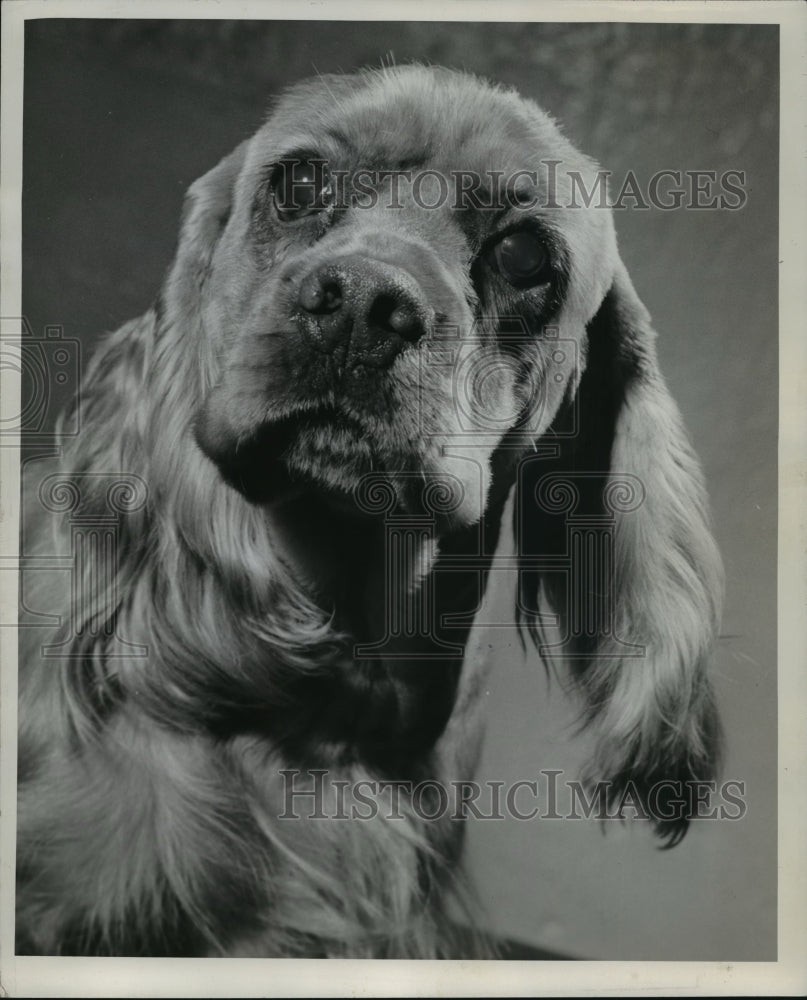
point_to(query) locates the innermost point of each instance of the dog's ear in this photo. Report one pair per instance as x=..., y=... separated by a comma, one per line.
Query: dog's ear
x=183, y=357
x=207, y=207
x=613, y=529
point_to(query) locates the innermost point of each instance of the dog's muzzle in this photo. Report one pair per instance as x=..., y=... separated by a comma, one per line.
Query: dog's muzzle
x=320, y=402
x=361, y=313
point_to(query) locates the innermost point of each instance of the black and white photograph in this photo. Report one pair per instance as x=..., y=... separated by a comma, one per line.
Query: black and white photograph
x=399, y=432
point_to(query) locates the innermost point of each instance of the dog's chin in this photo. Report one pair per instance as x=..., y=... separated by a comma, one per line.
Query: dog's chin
x=355, y=467
x=282, y=458
x=318, y=451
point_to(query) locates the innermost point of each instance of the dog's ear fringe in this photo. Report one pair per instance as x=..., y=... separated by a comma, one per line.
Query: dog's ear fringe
x=655, y=598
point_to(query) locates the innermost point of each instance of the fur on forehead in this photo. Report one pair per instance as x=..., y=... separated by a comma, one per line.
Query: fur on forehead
x=400, y=110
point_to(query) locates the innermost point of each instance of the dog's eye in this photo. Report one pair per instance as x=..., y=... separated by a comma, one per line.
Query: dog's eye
x=301, y=186
x=522, y=259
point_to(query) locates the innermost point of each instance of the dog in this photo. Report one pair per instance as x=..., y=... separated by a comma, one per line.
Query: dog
x=387, y=335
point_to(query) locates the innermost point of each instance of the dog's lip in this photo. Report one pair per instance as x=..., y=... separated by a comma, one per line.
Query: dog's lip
x=289, y=424
x=277, y=434
x=260, y=465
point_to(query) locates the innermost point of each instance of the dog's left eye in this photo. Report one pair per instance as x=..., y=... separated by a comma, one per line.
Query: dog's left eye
x=301, y=186
x=522, y=259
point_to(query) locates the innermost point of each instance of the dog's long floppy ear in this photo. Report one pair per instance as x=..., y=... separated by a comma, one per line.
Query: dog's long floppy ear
x=109, y=393
x=122, y=443
x=207, y=208
x=614, y=531
x=184, y=357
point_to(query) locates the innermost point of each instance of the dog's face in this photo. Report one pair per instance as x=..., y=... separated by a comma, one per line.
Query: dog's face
x=398, y=285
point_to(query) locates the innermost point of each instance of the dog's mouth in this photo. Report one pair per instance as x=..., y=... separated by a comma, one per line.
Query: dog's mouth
x=321, y=448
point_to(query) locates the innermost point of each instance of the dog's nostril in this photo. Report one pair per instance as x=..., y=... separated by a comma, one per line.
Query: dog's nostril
x=331, y=296
x=390, y=314
x=320, y=297
x=405, y=323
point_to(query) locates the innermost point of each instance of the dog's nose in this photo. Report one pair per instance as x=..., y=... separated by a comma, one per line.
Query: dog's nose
x=369, y=310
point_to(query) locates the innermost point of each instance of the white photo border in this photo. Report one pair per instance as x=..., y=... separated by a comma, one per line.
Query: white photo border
x=76, y=977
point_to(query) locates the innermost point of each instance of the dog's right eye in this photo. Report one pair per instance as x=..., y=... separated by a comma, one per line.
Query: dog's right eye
x=301, y=186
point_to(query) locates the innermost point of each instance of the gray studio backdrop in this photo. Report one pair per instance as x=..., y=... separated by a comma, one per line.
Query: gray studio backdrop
x=121, y=116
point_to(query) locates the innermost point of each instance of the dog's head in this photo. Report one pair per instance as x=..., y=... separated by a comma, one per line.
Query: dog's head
x=394, y=278
x=393, y=247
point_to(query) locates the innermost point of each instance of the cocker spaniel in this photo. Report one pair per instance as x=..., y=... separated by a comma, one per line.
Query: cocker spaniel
x=390, y=327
